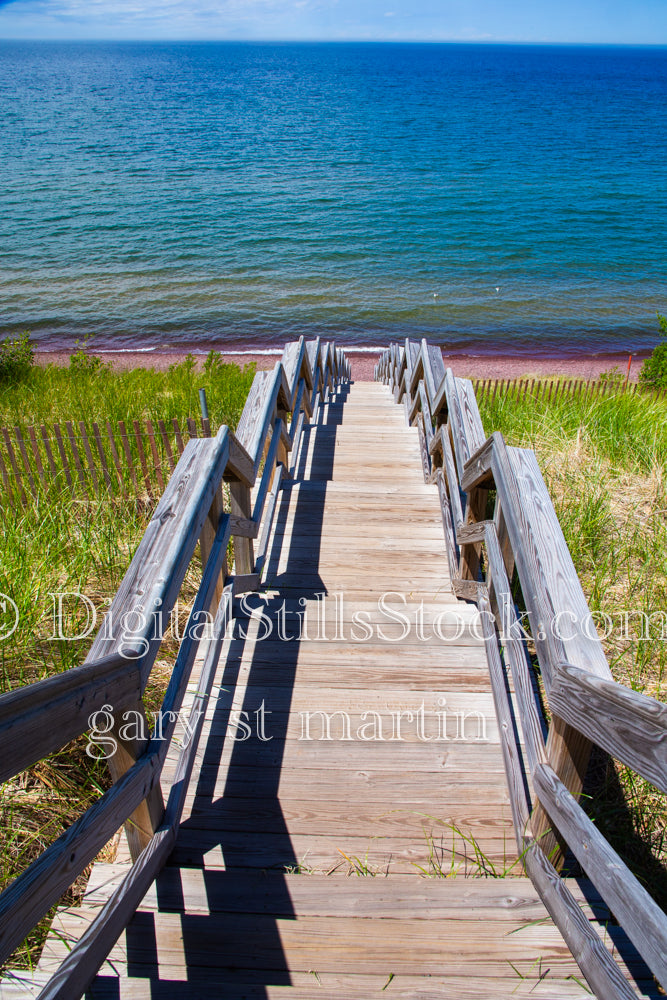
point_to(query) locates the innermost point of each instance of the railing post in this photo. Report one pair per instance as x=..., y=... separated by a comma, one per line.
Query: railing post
x=131, y=732
x=471, y=551
x=206, y=540
x=241, y=505
x=568, y=753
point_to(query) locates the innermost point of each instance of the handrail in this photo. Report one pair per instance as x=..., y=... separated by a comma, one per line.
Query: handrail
x=41, y=718
x=587, y=705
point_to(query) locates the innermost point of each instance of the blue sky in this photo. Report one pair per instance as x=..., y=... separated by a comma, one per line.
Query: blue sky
x=605, y=21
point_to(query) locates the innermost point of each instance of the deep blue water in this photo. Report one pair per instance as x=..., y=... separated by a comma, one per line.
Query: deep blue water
x=492, y=198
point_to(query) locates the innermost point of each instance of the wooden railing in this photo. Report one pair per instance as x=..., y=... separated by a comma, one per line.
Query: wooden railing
x=498, y=516
x=41, y=718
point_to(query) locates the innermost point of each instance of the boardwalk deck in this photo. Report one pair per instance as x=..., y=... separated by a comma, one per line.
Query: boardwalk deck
x=372, y=761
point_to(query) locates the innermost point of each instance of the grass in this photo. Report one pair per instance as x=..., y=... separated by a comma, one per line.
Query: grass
x=89, y=390
x=605, y=465
x=60, y=543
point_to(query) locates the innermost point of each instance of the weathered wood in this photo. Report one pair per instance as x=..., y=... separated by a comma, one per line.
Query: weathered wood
x=268, y=521
x=516, y=779
x=167, y=444
x=3, y=472
x=515, y=652
x=477, y=470
x=239, y=465
x=434, y=372
x=179, y=437
x=426, y=413
x=641, y=918
x=103, y=458
x=138, y=437
x=629, y=725
x=141, y=818
x=448, y=527
x=89, y=456
x=473, y=531
x=63, y=455
x=267, y=474
x=40, y=718
x=49, y=453
x=550, y=583
x=423, y=448
x=241, y=506
x=597, y=965
x=568, y=751
x=38, y=458
x=71, y=434
x=128, y=453
x=116, y=459
x=41, y=885
x=26, y=461
x=157, y=464
x=13, y=463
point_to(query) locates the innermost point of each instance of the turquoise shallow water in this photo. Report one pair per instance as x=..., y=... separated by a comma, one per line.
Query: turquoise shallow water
x=493, y=198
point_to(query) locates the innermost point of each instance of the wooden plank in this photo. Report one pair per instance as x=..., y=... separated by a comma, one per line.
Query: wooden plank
x=239, y=464
x=125, y=441
x=40, y=718
x=30, y=896
x=550, y=582
x=512, y=901
x=116, y=459
x=89, y=456
x=63, y=455
x=291, y=360
x=406, y=945
x=75, y=453
x=138, y=437
x=49, y=453
x=167, y=444
x=3, y=472
x=641, y=918
x=241, y=506
x=629, y=725
x=434, y=372
x=473, y=436
x=103, y=459
x=157, y=465
x=268, y=521
x=515, y=652
x=516, y=779
x=179, y=436
x=26, y=461
x=36, y=454
x=601, y=972
x=267, y=474
x=14, y=465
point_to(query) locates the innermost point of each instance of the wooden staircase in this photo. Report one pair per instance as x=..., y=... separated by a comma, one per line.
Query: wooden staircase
x=380, y=861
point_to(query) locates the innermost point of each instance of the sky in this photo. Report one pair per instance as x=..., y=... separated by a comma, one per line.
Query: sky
x=574, y=21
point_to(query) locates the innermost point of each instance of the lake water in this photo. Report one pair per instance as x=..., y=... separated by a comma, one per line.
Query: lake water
x=495, y=199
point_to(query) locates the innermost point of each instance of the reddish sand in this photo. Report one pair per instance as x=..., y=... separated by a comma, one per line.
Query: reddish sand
x=363, y=364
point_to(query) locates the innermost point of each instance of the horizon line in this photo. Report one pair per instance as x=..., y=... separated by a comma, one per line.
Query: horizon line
x=339, y=41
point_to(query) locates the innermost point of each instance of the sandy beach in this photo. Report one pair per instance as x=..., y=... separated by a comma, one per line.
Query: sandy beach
x=464, y=366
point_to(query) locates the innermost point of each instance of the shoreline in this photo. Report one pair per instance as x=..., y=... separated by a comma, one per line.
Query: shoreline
x=505, y=366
